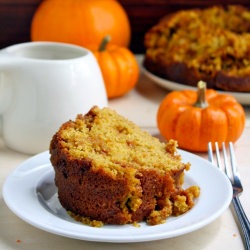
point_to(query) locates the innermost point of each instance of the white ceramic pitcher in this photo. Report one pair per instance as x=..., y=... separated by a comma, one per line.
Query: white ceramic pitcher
x=42, y=85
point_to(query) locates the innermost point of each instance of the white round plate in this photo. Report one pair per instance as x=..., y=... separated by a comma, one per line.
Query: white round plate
x=31, y=194
x=241, y=97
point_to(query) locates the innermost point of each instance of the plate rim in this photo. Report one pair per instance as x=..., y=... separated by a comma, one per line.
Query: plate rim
x=242, y=97
x=93, y=234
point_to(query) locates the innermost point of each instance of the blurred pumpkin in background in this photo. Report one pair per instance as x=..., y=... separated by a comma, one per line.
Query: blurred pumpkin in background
x=119, y=68
x=81, y=22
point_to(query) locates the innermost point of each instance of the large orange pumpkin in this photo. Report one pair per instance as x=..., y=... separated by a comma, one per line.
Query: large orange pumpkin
x=195, y=118
x=119, y=68
x=81, y=22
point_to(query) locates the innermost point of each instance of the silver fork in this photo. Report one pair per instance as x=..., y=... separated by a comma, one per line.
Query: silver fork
x=236, y=184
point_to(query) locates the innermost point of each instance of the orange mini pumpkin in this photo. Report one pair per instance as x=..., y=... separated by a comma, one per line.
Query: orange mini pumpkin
x=81, y=22
x=119, y=68
x=195, y=118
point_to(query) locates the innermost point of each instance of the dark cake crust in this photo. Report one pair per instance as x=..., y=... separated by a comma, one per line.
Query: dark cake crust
x=179, y=72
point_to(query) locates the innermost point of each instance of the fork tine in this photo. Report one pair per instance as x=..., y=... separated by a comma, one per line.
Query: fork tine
x=218, y=158
x=233, y=160
x=210, y=153
x=226, y=162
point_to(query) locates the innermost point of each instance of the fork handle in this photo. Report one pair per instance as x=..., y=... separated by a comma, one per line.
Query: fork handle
x=244, y=222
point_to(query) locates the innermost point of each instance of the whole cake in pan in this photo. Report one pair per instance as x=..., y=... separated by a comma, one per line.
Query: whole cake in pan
x=211, y=44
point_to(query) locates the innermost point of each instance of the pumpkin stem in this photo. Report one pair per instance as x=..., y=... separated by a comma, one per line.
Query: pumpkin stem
x=104, y=43
x=201, y=95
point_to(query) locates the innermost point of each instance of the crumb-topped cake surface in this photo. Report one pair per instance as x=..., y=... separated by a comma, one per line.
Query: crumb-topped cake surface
x=108, y=170
x=211, y=44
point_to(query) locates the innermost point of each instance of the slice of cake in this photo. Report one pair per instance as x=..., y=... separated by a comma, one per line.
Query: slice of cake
x=108, y=170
